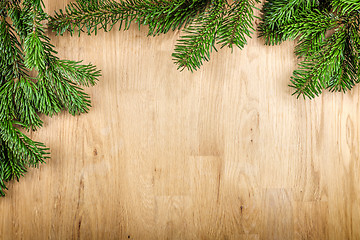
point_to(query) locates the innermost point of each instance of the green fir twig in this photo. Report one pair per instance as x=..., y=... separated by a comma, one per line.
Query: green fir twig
x=205, y=22
x=51, y=86
x=328, y=41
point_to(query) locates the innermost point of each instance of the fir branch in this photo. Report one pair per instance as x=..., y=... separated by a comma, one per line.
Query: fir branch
x=237, y=24
x=197, y=44
x=18, y=100
x=276, y=13
x=25, y=48
x=91, y=15
x=11, y=168
x=346, y=6
x=61, y=76
x=327, y=35
x=22, y=146
x=69, y=95
x=17, y=152
x=11, y=56
x=84, y=75
x=205, y=22
x=48, y=102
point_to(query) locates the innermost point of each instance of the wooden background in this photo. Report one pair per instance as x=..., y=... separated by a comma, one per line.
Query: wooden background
x=223, y=153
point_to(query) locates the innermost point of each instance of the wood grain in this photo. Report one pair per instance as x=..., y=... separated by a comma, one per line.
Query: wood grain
x=223, y=153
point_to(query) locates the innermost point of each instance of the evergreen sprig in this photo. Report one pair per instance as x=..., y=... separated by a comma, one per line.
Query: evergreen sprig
x=205, y=22
x=33, y=80
x=328, y=41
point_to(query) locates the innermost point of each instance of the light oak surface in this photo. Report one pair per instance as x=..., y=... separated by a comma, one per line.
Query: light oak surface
x=222, y=153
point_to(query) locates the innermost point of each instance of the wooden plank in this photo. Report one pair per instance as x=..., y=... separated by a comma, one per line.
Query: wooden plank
x=222, y=153
x=310, y=220
x=277, y=214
